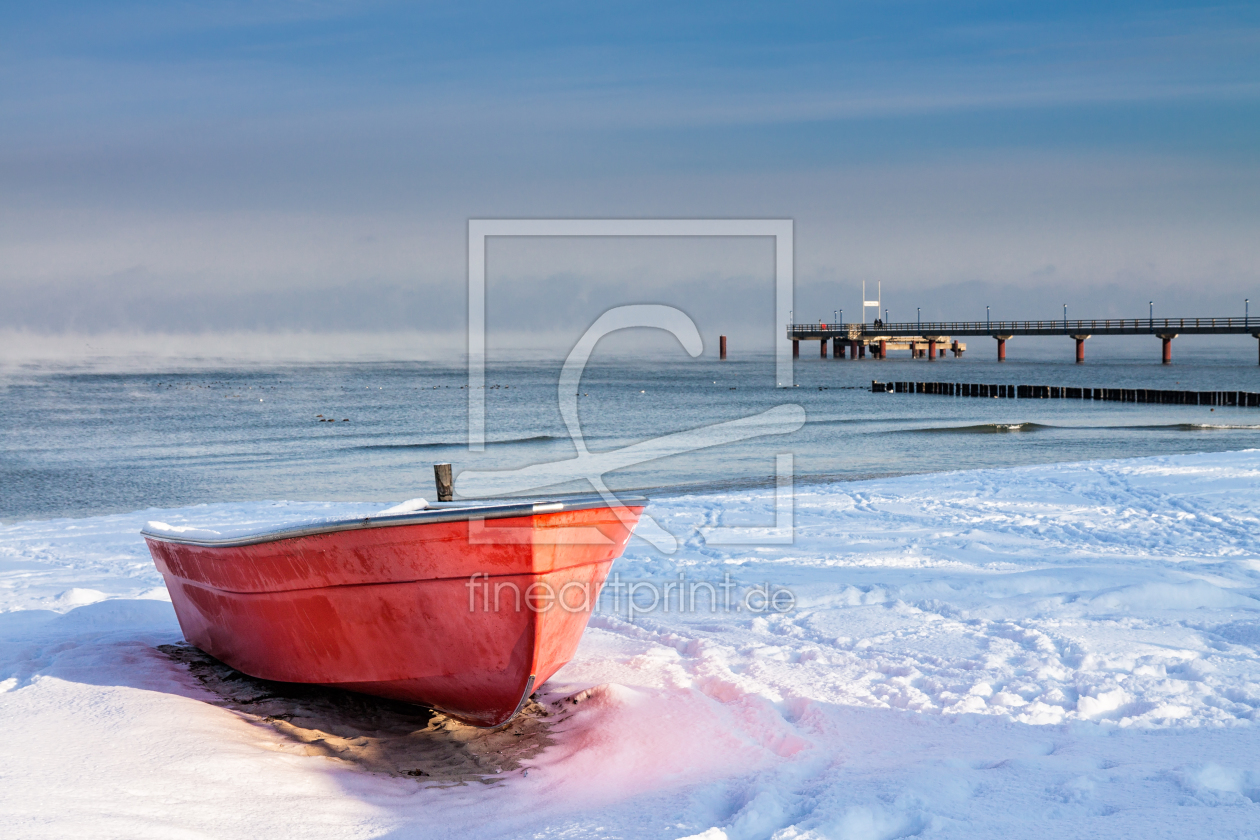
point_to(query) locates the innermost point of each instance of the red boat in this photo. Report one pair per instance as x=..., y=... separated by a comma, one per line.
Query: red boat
x=460, y=607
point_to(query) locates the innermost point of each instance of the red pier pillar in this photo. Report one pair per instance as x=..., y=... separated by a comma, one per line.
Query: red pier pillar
x=931, y=349
x=853, y=350
x=1080, y=348
x=796, y=349
x=837, y=348
x=883, y=349
x=822, y=349
x=1167, y=339
x=1001, y=340
x=861, y=350
x=722, y=347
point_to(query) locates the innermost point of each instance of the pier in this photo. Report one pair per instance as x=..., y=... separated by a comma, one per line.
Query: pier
x=931, y=339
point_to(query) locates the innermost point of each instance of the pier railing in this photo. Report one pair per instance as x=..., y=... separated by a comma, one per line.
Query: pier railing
x=1092, y=326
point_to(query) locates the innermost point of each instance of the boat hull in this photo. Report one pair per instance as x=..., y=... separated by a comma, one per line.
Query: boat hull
x=463, y=616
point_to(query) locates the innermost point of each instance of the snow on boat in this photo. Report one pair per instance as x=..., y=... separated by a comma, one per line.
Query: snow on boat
x=461, y=607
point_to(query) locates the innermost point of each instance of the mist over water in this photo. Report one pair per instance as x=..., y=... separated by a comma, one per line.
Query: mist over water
x=76, y=442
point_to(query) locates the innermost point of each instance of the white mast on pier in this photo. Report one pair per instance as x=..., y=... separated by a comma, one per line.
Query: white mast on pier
x=879, y=291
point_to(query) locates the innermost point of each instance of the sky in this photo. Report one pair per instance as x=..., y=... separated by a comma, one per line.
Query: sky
x=179, y=168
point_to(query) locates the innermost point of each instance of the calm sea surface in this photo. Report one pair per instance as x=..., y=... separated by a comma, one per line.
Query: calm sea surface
x=77, y=443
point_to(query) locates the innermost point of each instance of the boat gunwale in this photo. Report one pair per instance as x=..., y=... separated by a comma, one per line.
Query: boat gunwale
x=437, y=513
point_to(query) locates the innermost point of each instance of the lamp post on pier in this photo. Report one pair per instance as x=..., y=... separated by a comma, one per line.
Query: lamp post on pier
x=988, y=325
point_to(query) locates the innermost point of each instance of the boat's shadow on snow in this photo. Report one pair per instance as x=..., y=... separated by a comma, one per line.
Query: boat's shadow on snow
x=378, y=735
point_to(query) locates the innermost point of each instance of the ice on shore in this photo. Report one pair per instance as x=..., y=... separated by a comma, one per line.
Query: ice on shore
x=1065, y=649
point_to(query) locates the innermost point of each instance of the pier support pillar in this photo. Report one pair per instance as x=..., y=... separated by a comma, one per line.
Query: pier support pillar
x=931, y=350
x=883, y=349
x=1001, y=340
x=853, y=350
x=837, y=348
x=722, y=347
x=796, y=349
x=1167, y=339
x=1256, y=336
x=1080, y=348
x=822, y=349
x=861, y=350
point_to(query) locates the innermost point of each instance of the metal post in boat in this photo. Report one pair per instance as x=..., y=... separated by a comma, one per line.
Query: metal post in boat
x=442, y=475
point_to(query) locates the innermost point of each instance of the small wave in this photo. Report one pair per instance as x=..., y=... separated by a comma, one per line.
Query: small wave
x=1201, y=426
x=845, y=421
x=445, y=444
x=984, y=429
x=1186, y=427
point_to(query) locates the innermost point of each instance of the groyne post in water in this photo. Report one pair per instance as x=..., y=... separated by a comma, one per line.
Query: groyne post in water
x=1239, y=399
x=442, y=476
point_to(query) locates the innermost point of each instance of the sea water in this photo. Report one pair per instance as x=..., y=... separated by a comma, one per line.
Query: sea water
x=83, y=441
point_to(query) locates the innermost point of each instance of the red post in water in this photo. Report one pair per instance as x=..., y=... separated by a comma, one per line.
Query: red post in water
x=1167, y=339
x=1080, y=348
x=722, y=347
x=822, y=349
x=1001, y=349
x=931, y=349
x=796, y=349
x=883, y=349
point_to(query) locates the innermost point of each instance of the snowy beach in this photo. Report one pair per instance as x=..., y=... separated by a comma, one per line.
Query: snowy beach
x=1070, y=649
